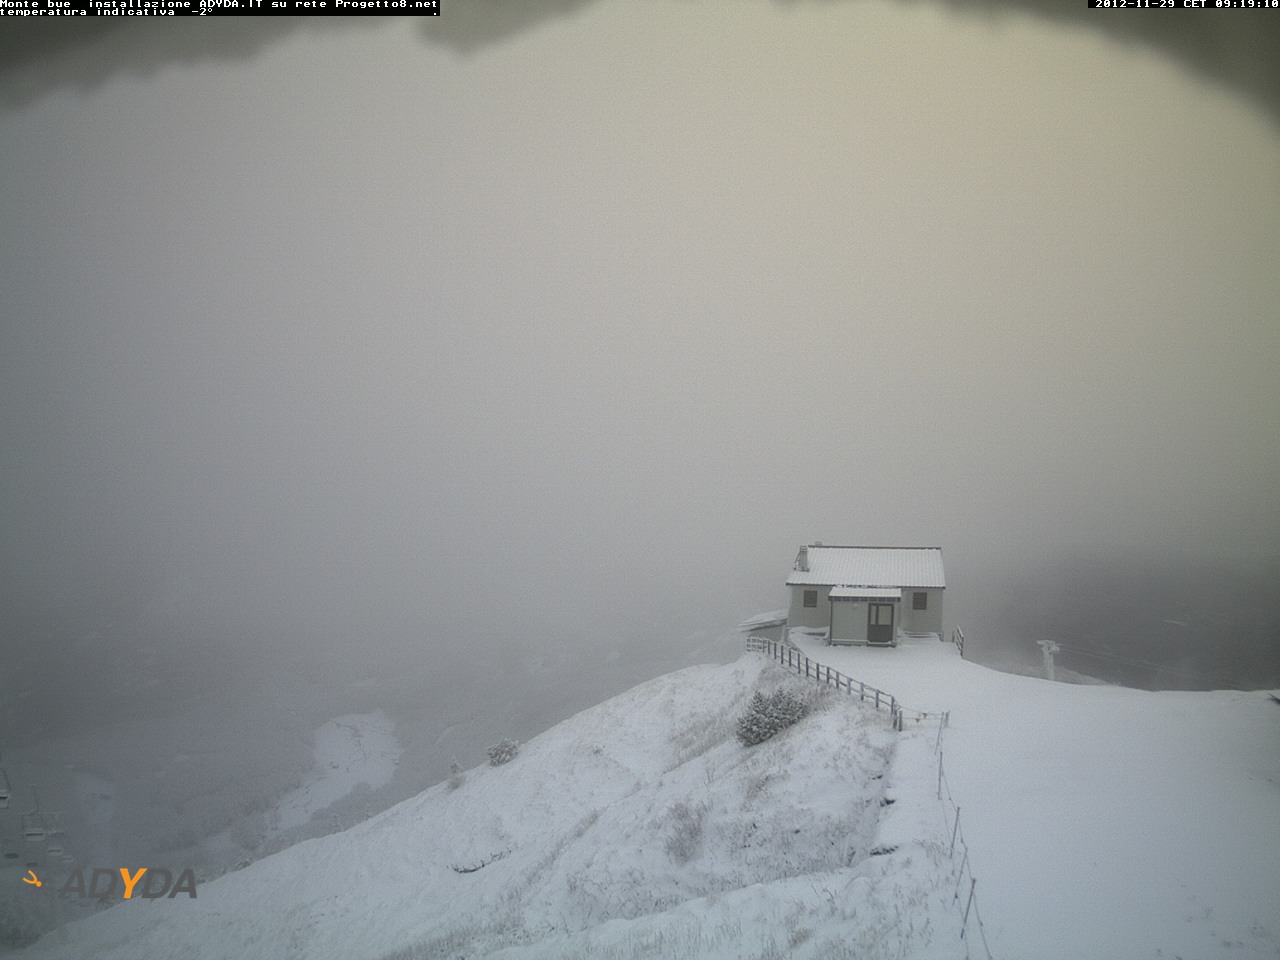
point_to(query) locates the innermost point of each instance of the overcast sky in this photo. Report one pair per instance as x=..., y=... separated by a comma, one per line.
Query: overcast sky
x=360, y=340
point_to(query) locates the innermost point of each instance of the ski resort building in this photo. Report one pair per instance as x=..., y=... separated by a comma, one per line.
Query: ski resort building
x=866, y=595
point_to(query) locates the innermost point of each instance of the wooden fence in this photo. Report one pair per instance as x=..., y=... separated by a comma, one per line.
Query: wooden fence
x=794, y=659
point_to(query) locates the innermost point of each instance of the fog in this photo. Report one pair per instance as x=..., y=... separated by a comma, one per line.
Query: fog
x=513, y=372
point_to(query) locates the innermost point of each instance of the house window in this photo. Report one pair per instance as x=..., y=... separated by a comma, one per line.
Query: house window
x=811, y=598
x=919, y=600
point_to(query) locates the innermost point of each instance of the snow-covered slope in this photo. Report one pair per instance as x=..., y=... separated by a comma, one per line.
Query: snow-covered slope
x=1104, y=822
x=641, y=827
x=1101, y=822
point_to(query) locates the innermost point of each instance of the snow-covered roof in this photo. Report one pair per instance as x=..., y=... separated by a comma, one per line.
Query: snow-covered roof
x=868, y=567
x=774, y=618
x=866, y=593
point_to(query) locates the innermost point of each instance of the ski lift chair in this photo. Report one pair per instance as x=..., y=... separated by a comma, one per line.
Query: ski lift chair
x=5, y=790
x=53, y=850
x=9, y=849
x=33, y=828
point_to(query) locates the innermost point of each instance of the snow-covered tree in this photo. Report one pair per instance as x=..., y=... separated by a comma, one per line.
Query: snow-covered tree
x=767, y=714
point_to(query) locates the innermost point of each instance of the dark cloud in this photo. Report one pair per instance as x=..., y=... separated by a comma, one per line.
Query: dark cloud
x=39, y=57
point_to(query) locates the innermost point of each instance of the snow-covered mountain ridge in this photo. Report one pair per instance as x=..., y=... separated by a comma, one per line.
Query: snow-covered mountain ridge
x=640, y=827
x=1101, y=822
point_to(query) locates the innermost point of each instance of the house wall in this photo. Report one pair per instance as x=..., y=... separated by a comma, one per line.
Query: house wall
x=850, y=618
x=921, y=621
x=848, y=621
x=798, y=615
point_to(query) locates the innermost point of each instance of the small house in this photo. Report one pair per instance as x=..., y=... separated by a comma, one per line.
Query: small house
x=866, y=595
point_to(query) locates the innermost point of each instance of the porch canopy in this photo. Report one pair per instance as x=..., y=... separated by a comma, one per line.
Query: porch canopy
x=876, y=594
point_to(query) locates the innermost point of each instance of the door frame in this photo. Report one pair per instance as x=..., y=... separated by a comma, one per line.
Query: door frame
x=876, y=629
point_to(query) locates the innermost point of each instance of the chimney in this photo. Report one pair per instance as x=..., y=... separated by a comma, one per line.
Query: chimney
x=802, y=560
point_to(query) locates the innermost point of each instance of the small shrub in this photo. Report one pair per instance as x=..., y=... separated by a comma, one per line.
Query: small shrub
x=503, y=752
x=767, y=714
x=455, y=774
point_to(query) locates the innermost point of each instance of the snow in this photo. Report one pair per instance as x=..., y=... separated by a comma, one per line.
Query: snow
x=349, y=750
x=640, y=827
x=771, y=618
x=866, y=593
x=1105, y=822
x=829, y=565
x=1101, y=822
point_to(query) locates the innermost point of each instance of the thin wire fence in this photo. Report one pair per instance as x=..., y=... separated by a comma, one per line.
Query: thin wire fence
x=966, y=893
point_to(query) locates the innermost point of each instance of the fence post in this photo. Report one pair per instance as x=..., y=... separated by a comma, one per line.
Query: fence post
x=939, y=770
x=973, y=882
x=954, y=833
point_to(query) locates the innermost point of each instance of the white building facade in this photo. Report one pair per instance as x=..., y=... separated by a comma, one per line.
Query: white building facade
x=867, y=595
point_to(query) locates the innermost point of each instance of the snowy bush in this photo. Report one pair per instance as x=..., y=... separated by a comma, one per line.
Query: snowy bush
x=455, y=773
x=503, y=752
x=767, y=714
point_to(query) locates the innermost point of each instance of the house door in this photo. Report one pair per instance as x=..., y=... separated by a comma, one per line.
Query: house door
x=880, y=623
